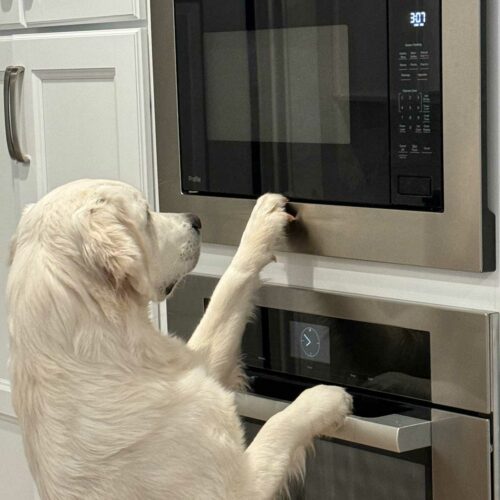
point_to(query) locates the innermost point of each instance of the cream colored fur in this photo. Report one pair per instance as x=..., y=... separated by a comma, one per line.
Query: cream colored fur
x=109, y=408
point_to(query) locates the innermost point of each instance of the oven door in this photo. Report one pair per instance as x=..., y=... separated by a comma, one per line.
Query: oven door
x=390, y=457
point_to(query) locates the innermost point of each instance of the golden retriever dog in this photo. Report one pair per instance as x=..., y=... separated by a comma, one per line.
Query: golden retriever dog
x=111, y=409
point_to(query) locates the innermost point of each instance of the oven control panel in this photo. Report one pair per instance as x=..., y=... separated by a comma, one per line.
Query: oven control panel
x=416, y=102
x=375, y=357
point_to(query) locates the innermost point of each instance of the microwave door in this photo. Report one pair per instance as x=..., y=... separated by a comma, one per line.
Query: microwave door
x=273, y=96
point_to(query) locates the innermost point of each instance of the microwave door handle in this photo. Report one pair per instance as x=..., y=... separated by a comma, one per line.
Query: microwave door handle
x=394, y=433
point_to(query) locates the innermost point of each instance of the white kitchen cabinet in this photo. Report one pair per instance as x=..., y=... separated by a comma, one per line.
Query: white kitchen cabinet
x=15, y=478
x=83, y=112
x=11, y=14
x=16, y=14
x=86, y=106
x=9, y=207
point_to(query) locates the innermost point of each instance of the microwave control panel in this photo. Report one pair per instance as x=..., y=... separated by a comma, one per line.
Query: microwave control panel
x=416, y=102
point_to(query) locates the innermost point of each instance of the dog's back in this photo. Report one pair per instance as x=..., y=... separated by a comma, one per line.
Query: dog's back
x=109, y=408
x=102, y=432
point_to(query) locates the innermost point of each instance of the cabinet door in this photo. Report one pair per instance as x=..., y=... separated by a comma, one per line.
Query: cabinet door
x=53, y=12
x=15, y=478
x=85, y=97
x=9, y=208
x=11, y=14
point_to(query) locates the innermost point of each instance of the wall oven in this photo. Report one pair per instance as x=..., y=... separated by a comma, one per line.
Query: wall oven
x=424, y=381
x=367, y=114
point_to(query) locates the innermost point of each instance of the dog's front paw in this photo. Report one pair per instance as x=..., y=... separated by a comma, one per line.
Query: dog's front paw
x=328, y=407
x=264, y=230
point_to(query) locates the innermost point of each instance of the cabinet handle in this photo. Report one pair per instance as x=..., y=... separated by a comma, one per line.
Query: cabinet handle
x=396, y=433
x=11, y=79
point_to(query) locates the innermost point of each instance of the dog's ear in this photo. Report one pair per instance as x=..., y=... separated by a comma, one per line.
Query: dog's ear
x=109, y=246
x=13, y=240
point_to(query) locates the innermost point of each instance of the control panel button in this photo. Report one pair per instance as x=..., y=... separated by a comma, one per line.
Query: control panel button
x=414, y=186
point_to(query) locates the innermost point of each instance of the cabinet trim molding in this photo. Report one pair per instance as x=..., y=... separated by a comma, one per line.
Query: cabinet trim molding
x=5, y=401
x=132, y=10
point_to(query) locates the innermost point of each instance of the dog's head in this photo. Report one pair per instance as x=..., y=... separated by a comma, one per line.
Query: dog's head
x=108, y=229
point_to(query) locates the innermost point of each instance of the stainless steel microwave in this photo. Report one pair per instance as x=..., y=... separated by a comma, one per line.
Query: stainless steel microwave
x=367, y=114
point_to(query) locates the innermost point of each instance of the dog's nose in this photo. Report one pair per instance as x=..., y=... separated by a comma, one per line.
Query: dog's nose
x=195, y=221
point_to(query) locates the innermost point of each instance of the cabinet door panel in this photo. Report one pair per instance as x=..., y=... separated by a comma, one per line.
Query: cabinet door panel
x=53, y=12
x=86, y=113
x=84, y=104
x=9, y=208
x=83, y=112
x=11, y=14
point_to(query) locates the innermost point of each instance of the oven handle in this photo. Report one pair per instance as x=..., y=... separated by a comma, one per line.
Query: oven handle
x=395, y=433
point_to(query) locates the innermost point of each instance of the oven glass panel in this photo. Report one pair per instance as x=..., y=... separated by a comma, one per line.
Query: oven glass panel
x=316, y=99
x=340, y=471
x=351, y=353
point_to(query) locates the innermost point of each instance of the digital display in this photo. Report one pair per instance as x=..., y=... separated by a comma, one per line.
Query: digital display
x=418, y=19
x=310, y=342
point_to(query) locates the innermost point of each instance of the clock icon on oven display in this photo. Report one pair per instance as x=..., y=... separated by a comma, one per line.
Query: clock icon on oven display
x=310, y=342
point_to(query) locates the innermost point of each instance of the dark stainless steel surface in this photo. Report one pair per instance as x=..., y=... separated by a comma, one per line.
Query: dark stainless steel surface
x=464, y=357
x=459, y=339
x=396, y=433
x=461, y=238
x=461, y=457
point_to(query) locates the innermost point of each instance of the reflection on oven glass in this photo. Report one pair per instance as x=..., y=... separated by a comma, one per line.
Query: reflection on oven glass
x=339, y=471
x=399, y=383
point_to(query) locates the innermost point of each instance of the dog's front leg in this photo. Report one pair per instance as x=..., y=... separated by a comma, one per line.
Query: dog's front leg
x=218, y=336
x=279, y=449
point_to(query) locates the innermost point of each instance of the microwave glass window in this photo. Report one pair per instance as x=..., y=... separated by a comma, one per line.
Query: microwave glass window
x=325, y=101
x=301, y=76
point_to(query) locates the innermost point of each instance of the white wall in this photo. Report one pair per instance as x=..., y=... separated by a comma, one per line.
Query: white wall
x=15, y=479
